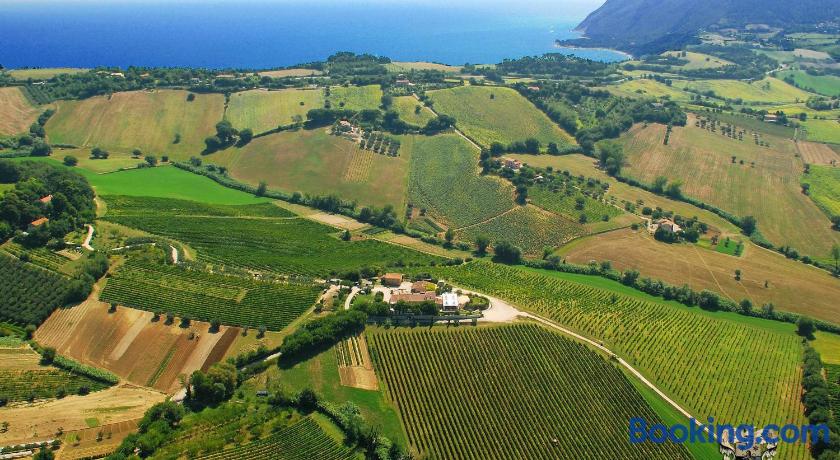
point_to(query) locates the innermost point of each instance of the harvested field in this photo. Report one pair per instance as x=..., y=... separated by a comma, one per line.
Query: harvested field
x=263, y=110
x=129, y=344
x=148, y=120
x=41, y=420
x=290, y=73
x=317, y=163
x=789, y=282
x=702, y=161
x=16, y=112
x=43, y=74
x=817, y=154
x=397, y=66
x=84, y=443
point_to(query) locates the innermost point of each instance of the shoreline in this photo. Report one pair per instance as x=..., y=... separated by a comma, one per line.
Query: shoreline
x=628, y=56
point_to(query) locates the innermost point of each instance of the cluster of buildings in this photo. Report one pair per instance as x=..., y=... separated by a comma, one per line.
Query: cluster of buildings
x=667, y=225
x=420, y=292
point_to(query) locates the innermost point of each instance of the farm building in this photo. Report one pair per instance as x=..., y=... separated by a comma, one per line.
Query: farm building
x=39, y=222
x=46, y=199
x=668, y=225
x=449, y=302
x=392, y=279
x=511, y=163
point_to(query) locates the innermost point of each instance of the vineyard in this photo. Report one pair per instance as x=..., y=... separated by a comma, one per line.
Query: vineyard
x=510, y=392
x=232, y=300
x=490, y=114
x=29, y=293
x=302, y=440
x=296, y=246
x=126, y=205
x=528, y=227
x=832, y=372
x=23, y=378
x=707, y=376
x=41, y=257
x=466, y=198
x=572, y=204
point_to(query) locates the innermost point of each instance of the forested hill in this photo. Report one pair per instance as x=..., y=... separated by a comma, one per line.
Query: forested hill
x=652, y=26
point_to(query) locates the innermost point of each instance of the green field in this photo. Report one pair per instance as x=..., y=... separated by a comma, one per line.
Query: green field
x=490, y=114
x=706, y=375
x=43, y=74
x=565, y=202
x=406, y=106
x=824, y=182
x=822, y=131
x=769, y=90
x=232, y=300
x=444, y=180
x=528, y=227
x=651, y=88
x=702, y=160
x=355, y=97
x=284, y=245
x=316, y=163
x=148, y=120
x=510, y=392
x=828, y=85
x=265, y=110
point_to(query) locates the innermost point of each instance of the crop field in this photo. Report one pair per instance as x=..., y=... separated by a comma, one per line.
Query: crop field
x=127, y=205
x=645, y=87
x=29, y=293
x=23, y=378
x=532, y=394
x=283, y=73
x=824, y=182
x=815, y=153
x=698, y=60
x=645, y=331
x=788, y=282
x=302, y=440
x=36, y=422
x=528, y=227
x=490, y=114
x=16, y=112
x=355, y=97
x=232, y=300
x=702, y=160
x=292, y=246
x=828, y=85
x=317, y=163
x=43, y=74
x=768, y=90
x=115, y=161
x=566, y=204
x=822, y=131
x=148, y=120
x=828, y=345
x=128, y=343
x=263, y=110
x=468, y=198
x=397, y=66
x=406, y=106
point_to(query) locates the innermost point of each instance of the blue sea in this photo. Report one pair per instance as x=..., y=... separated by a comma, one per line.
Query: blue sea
x=268, y=34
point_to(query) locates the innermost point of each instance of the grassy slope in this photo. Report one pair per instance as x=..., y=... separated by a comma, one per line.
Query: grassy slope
x=769, y=90
x=829, y=347
x=43, y=74
x=114, y=162
x=506, y=118
x=16, y=112
x=645, y=87
x=698, y=60
x=355, y=97
x=405, y=106
x=444, y=180
x=264, y=110
x=317, y=163
x=702, y=160
x=138, y=119
x=825, y=188
x=823, y=131
x=792, y=286
x=828, y=85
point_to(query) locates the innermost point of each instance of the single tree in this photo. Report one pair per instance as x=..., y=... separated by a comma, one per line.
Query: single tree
x=805, y=327
x=481, y=244
x=262, y=188
x=70, y=161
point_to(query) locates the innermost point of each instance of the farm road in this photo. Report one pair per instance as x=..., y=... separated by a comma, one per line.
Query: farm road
x=89, y=237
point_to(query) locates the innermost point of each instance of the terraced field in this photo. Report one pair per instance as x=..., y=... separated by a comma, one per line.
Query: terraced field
x=16, y=112
x=490, y=114
x=317, y=163
x=265, y=110
x=531, y=394
x=232, y=300
x=702, y=160
x=706, y=379
x=528, y=227
x=148, y=120
x=467, y=198
x=292, y=246
x=355, y=97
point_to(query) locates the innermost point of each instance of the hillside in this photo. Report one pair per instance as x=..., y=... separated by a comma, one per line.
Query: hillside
x=652, y=26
